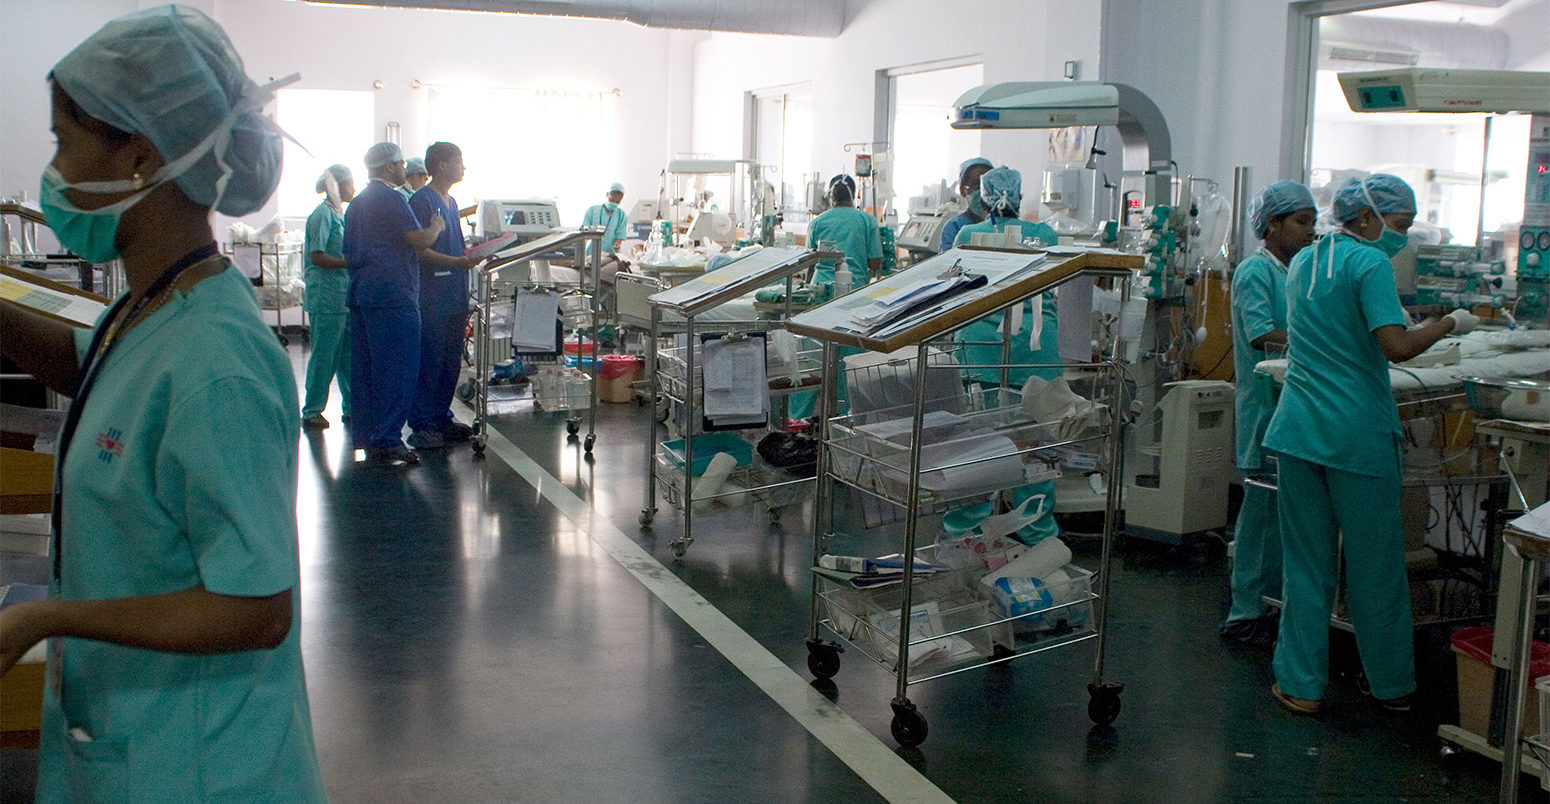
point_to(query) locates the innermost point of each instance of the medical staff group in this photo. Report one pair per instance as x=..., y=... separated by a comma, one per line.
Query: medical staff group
x=172, y=618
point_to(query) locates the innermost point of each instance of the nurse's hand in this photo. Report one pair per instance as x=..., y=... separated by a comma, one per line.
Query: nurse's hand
x=1463, y=321
x=21, y=627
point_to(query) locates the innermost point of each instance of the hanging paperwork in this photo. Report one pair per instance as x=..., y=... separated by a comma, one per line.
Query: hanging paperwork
x=52, y=299
x=736, y=389
x=533, y=321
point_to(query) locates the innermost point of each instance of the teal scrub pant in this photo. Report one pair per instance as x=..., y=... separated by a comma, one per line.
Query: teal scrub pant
x=1256, y=563
x=803, y=405
x=330, y=336
x=1317, y=504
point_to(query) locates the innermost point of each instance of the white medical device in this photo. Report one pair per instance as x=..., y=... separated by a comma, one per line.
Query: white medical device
x=1420, y=89
x=1177, y=484
x=531, y=217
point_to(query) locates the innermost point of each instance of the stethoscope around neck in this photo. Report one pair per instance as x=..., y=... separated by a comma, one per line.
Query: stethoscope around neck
x=91, y=368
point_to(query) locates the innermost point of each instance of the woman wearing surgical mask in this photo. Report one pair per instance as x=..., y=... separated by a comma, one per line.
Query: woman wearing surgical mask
x=173, y=654
x=1336, y=435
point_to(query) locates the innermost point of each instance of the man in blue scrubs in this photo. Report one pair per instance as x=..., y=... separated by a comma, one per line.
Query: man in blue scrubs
x=382, y=241
x=1336, y=434
x=1282, y=215
x=969, y=174
x=443, y=304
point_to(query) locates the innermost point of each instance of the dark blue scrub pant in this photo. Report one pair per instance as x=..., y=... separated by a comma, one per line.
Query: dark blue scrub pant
x=384, y=365
x=441, y=359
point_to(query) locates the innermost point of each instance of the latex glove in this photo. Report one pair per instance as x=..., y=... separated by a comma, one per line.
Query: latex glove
x=1463, y=321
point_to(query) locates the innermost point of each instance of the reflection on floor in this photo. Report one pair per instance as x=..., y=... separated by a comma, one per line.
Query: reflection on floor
x=466, y=642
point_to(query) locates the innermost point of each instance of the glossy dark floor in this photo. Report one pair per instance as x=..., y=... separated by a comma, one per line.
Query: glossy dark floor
x=465, y=641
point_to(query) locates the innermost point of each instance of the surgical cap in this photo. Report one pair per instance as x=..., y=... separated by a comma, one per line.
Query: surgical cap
x=383, y=153
x=845, y=179
x=616, y=187
x=171, y=74
x=415, y=165
x=1274, y=200
x=1001, y=188
x=341, y=174
x=1385, y=194
x=978, y=161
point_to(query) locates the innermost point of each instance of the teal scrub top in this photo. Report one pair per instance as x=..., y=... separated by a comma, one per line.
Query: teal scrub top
x=853, y=232
x=326, y=287
x=1258, y=307
x=183, y=472
x=1337, y=407
x=612, y=219
x=981, y=340
x=403, y=190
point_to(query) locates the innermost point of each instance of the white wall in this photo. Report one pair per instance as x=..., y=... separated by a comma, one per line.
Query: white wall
x=350, y=48
x=1022, y=41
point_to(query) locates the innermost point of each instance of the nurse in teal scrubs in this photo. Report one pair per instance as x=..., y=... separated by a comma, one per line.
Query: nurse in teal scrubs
x=172, y=623
x=1282, y=215
x=854, y=233
x=1001, y=189
x=1336, y=434
x=327, y=284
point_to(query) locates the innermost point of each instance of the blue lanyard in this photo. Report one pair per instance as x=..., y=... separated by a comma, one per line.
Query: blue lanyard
x=91, y=366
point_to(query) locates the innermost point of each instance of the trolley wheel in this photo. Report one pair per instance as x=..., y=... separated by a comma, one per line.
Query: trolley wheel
x=284, y=341
x=823, y=658
x=465, y=390
x=775, y=515
x=646, y=515
x=1103, y=702
x=572, y=426
x=1449, y=752
x=586, y=445
x=478, y=445
x=678, y=547
x=909, y=725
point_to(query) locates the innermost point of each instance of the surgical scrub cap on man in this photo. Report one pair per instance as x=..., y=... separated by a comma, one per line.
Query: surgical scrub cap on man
x=1274, y=200
x=616, y=187
x=383, y=153
x=1385, y=194
x=1002, y=188
x=414, y=166
x=978, y=161
x=171, y=74
x=341, y=174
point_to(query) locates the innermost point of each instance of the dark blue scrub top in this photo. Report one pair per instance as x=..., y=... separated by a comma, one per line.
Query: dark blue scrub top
x=384, y=268
x=443, y=288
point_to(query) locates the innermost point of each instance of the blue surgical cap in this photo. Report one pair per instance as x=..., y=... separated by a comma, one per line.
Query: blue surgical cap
x=616, y=187
x=383, y=153
x=414, y=165
x=171, y=74
x=1002, y=188
x=1385, y=194
x=1274, y=200
x=968, y=163
x=341, y=174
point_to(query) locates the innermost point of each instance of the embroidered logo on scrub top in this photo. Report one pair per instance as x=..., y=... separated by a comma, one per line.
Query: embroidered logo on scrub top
x=109, y=445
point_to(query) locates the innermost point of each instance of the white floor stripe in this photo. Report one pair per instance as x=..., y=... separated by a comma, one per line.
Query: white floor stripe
x=874, y=762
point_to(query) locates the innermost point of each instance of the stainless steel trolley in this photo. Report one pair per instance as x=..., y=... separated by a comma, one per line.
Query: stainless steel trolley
x=674, y=375
x=885, y=626
x=485, y=299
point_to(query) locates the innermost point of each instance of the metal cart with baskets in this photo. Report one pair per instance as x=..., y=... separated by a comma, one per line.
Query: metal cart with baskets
x=487, y=298
x=676, y=376
x=888, y=454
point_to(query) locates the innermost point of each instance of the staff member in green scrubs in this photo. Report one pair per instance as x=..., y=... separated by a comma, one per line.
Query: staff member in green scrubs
x=1336, y=434
x=327, y=285
x=1001, y=189
x=1282, y=215
x=174, y=662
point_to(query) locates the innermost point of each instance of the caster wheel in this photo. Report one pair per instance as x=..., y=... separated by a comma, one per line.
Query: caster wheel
x=572, y=426
x=1103, y=702
x=478, y=446
x=465, y=390
x=908, y=726
x=823, y=658
x=1449, y=752
x=586, y=445
x=284, y=341
x=774, y=516
x=646, y=515
x=678, y=547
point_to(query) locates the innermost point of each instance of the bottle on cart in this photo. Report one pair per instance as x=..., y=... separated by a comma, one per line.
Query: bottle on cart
x=842, y=280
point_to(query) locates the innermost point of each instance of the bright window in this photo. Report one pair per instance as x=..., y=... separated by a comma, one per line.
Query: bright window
x=783, y=144
x=926, y=148
x=336, y=126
